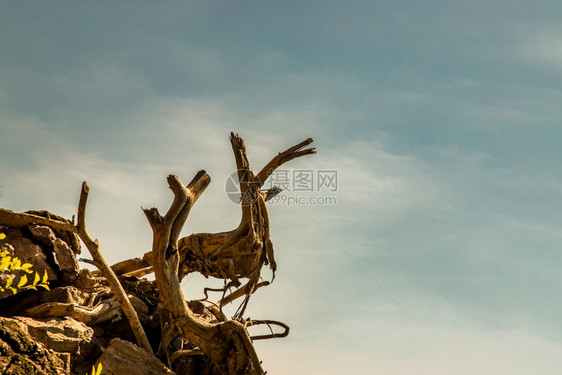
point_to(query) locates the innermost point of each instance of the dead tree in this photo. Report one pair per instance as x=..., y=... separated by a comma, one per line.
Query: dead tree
x=227, y=255
x=242, y=252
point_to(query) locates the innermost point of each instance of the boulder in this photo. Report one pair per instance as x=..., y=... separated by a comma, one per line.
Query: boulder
x=60, y=334
x=124, y=357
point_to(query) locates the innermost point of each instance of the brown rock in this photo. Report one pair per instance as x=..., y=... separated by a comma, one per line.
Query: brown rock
x=66, y=294
x=29, y=252
x=140, y=307
x=59, y=334
x=122, y=357
x=43, y=234
x=86, y=280
x=70, y=238
x=22, y=355
x=64, y=256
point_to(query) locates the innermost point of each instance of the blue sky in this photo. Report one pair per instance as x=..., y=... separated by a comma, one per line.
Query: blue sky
x=442, y=119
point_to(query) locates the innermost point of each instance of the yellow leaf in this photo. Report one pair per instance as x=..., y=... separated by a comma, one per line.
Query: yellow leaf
x=44, y=286
x=98, y=372
x=23, y=281
x=16, y=264
x=2, y=236
x=9, y=282
x=5, y=262
x=45, y=278
x=14, y=290
x=27, y=267
x=37, y=278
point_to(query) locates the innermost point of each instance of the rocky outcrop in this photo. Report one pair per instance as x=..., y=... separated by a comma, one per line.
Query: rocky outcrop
x=63, y=335
x=63, y=330
x=20, y=354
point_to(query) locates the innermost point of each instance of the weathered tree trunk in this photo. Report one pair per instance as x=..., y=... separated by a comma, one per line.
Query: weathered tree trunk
x=227, y=344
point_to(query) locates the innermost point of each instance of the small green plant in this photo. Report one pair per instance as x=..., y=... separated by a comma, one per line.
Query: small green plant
x=14, y=266
x=94, y=371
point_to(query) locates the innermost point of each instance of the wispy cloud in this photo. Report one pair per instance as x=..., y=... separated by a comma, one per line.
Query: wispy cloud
x=448, y=183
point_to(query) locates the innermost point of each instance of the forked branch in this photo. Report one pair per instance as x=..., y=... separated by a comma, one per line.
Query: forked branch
x=227, y=344
x=283, y=157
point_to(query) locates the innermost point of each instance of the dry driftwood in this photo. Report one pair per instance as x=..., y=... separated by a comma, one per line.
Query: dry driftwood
x=242, y=252
x=228, y=255
x=226, y=344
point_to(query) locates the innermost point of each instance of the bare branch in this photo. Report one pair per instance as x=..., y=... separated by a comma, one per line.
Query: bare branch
x=93, y=248
x=139, y=273
x=246, y=289
x=105, y=311
x=129, y=265
x=194, y=189
x=165, y=267
x=281, y=158
x=18, y=219
x=285, y=333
